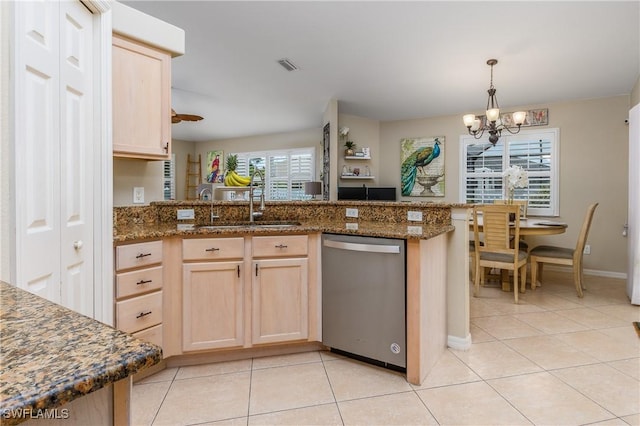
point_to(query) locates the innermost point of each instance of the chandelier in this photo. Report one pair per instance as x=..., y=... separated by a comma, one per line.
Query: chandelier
x=493, y=124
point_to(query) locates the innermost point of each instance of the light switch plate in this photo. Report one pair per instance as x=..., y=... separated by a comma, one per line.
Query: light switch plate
x=414, y=216
x=352, y=213
x=138, y=195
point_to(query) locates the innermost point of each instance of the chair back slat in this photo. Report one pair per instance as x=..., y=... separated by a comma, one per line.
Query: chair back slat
x=584, y=231
x=496, y=229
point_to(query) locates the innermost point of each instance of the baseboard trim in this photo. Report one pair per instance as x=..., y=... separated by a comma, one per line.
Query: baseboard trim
x=592, y=272
x=459, y=343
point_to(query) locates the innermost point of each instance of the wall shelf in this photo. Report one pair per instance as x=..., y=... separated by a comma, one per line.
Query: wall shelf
x=356, y=177
x=354, y=157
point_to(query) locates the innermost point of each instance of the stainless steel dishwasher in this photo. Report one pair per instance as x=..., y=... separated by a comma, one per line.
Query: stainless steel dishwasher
x=364, y=298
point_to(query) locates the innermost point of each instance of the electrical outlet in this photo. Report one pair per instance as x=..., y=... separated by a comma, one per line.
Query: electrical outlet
x=138, y=195
x=352, y=213
x=587, y=249
x=185, y=214
x=414, y=216
x=414, y=230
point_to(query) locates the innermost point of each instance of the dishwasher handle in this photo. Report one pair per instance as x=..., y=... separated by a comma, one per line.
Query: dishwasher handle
x=370, y=248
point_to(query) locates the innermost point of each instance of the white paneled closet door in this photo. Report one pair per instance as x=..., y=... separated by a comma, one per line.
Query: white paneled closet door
x=53, y=179
x=76, y=152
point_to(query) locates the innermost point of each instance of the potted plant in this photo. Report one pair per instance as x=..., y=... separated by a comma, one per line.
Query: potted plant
x=349, y=151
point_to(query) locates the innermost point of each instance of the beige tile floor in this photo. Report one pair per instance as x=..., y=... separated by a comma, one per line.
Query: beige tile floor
x=553, y=359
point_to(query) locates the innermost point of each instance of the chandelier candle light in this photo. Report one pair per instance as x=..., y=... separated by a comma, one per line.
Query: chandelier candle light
x=495, y=124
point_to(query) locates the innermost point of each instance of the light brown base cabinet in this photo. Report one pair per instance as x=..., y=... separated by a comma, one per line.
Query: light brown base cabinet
x=241, y=291
x=279, y=304
x=212, y=305
x=138, y=289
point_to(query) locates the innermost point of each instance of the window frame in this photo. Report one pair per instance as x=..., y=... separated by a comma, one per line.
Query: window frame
x=552, y=134
x=244, y=161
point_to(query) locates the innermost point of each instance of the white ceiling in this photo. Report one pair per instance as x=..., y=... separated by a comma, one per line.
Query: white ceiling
x=388, y=60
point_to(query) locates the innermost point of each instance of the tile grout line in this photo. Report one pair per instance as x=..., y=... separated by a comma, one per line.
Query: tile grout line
x=335, y=400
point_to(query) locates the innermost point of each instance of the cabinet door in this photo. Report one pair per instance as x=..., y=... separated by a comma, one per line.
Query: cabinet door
x=279, y=303
x=141, y=100
x=212, y=308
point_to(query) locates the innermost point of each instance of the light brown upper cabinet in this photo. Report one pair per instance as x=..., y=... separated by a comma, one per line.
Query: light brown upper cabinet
x=141, y=100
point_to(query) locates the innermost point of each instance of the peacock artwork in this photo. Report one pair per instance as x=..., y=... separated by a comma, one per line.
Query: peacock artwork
x=422, y=170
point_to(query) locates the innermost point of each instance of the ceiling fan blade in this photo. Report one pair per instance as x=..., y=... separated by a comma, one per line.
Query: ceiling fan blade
x=189, y=117
x=177, y=118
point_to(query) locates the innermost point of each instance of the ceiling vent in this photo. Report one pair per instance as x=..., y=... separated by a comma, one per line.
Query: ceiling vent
x=287, y=65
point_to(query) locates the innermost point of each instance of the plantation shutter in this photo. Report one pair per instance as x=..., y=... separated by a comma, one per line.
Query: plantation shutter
x=537, y=152
x=286, y=171
x=169, y=178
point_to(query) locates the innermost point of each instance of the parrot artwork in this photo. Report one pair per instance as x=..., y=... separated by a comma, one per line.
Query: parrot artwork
x=421, y=157
x=215, y=169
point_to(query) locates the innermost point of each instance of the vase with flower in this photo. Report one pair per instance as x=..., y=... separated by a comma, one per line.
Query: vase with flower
x=515, y=177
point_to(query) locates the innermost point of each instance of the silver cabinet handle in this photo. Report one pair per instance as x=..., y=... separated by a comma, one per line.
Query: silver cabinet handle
x=281, y=246
x=77, y=244
x=372, y=248
x=212, y=249
x=143, y=314
x=143, y=282
x=141, y=255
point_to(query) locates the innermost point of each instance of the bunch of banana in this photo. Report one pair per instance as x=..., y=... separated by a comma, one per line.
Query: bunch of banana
x=234, y=179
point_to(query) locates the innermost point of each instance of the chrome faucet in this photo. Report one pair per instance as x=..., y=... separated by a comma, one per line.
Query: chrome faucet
x=254, y=214
x=203, y=192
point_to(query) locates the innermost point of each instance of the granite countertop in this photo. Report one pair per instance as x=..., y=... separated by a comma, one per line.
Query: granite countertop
x=50, y=355
x=134, y=232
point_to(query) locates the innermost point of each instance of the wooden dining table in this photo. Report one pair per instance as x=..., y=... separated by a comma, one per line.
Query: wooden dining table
x=530, y=226
x=533, y=226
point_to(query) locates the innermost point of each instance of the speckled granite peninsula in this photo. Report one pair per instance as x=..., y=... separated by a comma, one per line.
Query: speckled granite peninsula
x=378, y=219
x=50, y=355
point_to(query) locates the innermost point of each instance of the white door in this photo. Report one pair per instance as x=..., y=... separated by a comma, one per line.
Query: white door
x=37, y=136
x=76, y=151
x=633, y=230
x=54, y=116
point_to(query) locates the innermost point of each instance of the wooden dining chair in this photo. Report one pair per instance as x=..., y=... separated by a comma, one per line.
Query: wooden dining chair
x=496, y=250
x=522, y=214
x=563, y=256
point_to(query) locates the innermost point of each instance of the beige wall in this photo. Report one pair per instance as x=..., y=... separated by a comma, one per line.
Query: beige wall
x=593, y=167
x=128, y=174
x=365, y=133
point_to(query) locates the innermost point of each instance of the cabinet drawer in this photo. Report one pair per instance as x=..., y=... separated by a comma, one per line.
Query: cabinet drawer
x=213, y=248
x=139, y=313
x=274, y=246
x=151, y=335
x=139, y=281
x=140, y=254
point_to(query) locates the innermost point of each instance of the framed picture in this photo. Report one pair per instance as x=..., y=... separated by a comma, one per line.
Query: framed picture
x=215, y=166
x=422, y=167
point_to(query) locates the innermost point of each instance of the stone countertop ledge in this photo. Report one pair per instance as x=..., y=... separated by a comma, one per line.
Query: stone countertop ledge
x=375, y=229
x=51, y=355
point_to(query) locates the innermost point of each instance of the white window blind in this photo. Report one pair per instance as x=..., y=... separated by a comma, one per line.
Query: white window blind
x=169, y=178
x=535, y=151
x=285, y=171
